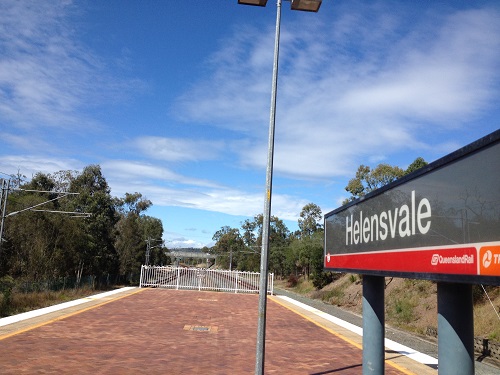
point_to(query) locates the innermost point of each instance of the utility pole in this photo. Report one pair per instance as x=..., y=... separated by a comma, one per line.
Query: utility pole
x=3, y=207
x=149, y=247
x=148, y=250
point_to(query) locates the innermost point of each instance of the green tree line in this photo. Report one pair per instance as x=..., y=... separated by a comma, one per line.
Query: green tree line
x=290, y=254
x=58, y=240
x=299, y=253
x=112, y=239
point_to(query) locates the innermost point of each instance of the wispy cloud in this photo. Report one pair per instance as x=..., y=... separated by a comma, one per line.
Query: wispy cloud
x=167, y=188
x=178, y=241
x=46, y=77
x=370, y=86
x=177, y=149
x=137, y=172
x=29, y=165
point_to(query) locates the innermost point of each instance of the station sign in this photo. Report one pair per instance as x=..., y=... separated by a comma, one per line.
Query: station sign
x=441, y=222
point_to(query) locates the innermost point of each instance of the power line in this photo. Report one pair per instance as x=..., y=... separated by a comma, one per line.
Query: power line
x=3, y=204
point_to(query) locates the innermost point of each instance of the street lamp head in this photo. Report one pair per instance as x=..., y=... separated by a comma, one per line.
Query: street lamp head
x=260, y=3
x=306, y=5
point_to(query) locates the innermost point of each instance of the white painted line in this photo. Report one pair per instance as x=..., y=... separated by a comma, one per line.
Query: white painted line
x=46, y=310
x=351, y=327
x=402, y=349
x=411, y=353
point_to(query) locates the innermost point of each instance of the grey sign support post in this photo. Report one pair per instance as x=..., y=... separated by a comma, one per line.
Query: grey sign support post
x=373, y=325
x=455, y=329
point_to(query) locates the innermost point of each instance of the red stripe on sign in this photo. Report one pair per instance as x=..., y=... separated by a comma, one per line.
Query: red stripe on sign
x=461, y=261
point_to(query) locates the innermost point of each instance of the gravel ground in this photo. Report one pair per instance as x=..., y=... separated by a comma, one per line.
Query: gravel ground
x=424, y=345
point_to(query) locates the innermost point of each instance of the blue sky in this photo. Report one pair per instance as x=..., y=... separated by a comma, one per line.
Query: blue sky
x=172, y=98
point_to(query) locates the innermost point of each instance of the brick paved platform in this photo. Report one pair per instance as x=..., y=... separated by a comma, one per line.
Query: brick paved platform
x=178, y=332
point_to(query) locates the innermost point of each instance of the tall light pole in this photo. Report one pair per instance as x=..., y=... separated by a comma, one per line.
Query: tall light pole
x=304, y=5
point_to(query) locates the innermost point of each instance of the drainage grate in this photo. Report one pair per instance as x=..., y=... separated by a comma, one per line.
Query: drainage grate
x=200, y=329
x=211, y=329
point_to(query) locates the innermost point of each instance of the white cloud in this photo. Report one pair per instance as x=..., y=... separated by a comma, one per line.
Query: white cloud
x=176, y=240
x=371, y=89
x=125, y=172
x=175, y=190
x=238, y=90
x=177, y=149
x=166, y=188
x=29, y=165
x=25, y=142
x=46, y=76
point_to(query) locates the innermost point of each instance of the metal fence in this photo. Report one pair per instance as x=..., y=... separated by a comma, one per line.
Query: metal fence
x=203, y=279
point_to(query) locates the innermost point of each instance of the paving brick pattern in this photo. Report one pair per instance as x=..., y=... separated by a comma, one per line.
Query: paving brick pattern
x=148, y=333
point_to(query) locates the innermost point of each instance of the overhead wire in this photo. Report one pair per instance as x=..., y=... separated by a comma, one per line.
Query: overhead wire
x=489, y=299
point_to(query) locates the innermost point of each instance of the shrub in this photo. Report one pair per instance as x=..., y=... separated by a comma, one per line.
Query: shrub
x=402, y=310
x=477, y=294
x=6, y=286
x=333, y=296
x=321, y=279
x=292, y=281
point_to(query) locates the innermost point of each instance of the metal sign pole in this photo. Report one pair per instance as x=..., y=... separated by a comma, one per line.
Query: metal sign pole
x=373, y=325
x=455, y=329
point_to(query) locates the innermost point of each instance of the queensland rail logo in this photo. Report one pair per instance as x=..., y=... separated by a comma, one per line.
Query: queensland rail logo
x=464, y=259
x=487, y=258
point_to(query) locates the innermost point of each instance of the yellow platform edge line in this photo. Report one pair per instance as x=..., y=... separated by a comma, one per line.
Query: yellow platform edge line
x=342, y=337
x=68, y=315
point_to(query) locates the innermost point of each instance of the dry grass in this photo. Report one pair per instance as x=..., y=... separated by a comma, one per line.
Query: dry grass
x=22, y=302
x=410, y=304
x=304, y=286
x=486, y=320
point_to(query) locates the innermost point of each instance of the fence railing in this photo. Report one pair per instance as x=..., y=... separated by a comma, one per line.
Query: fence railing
x=203, y=279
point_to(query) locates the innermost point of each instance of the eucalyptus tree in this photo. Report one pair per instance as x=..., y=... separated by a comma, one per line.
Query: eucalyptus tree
x=97, y=255
x=249, y=235
x=27, y=234
x=228, y=244
x=279, y=241
x=133, y=231
x=44, y=245
x=133, y=203
x=367, y=179
x=37, y=235
x=307, y=248
x=310, y=220
x=130, y=244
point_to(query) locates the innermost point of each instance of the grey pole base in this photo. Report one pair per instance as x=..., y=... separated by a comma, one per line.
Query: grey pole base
x=373, y=325
x=455, y=329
